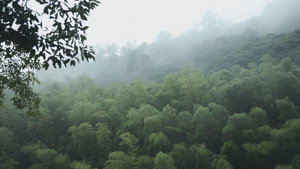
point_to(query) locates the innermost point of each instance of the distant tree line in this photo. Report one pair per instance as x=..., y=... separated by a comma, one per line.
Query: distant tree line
x=168, y=54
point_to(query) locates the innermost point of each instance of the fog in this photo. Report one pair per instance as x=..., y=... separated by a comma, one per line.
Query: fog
x=149, y=39
x=117, y=21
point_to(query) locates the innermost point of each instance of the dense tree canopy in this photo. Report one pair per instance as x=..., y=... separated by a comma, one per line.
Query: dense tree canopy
x=242, y=117
x=241, y=111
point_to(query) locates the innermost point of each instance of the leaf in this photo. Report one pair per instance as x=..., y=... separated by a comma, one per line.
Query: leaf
x=66, y=62
x=84, y=28
x=72, y=63
x=46, y=65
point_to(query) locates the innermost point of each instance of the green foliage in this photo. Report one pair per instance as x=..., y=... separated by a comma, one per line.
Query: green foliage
x=287, y=109
x=142, y=93
x=61, y=161
x=128, y=143
x=145, y=162
x=172, y=86
x=296, y=161
x=83, y=112
x=152, y=124
x=264, y=132
x=83, y=138
x=160, y=141
x=7, y=141
x=169, y=116
x=185, y=121
x=221, y=164
x=71, y=31
x=181, y=155
x=44, y=157
x=204, y=157
x=103, y=142
x=27, y=44
x=207, y=129
x=134, y=123
x=260, y=152
x=242, y=117
x=283, y=167
x=287, y=64
x=259, y=116
x=192, y=85
x=7, y=162
x=80, y=165
x=236, y=124
x=233, y=154
x=119, y=160
x=163, y=160
x=103, y=136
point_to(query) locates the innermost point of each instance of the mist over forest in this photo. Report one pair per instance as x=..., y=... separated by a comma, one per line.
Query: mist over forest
x=220, y=95
x=201, y=45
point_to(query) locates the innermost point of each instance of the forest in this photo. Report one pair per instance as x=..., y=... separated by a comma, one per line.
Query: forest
x=238, y=110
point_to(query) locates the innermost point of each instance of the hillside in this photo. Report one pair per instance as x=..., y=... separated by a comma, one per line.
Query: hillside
x=240, y=110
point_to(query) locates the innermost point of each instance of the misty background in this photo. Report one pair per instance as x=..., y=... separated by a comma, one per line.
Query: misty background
x=147, y=57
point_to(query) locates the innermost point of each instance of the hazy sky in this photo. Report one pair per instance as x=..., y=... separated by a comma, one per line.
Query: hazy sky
x=120, y=21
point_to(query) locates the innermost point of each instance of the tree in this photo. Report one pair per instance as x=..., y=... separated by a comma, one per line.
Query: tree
x=7, y=162
x=259, y=116
x=128, y=143
x=261, y=153
x=208, y=129
x=286, y=108
x=242, y=92
x=185, y=122
x=43, y=157
x=145, y=162
x=141, y=93
x=84, y=140
x=28, y=44
x=296, y=161
x=163, y=161
x=7, y=141
x=220, y=164
x=203, y=156
x=169, y=116
x=236, y=126
x=134, y=123
x=152, y=124
x=82, y=112
x=104, y=142
x=182, y=156
x=233, y=154
x=287, y=64
x=160, y=141
x=80, y=165
x=7, y=148
x=119, y=160
x=287, y=139
x=192, y=85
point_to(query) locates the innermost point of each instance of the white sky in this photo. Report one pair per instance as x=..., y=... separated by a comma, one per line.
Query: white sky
x=120, y=21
